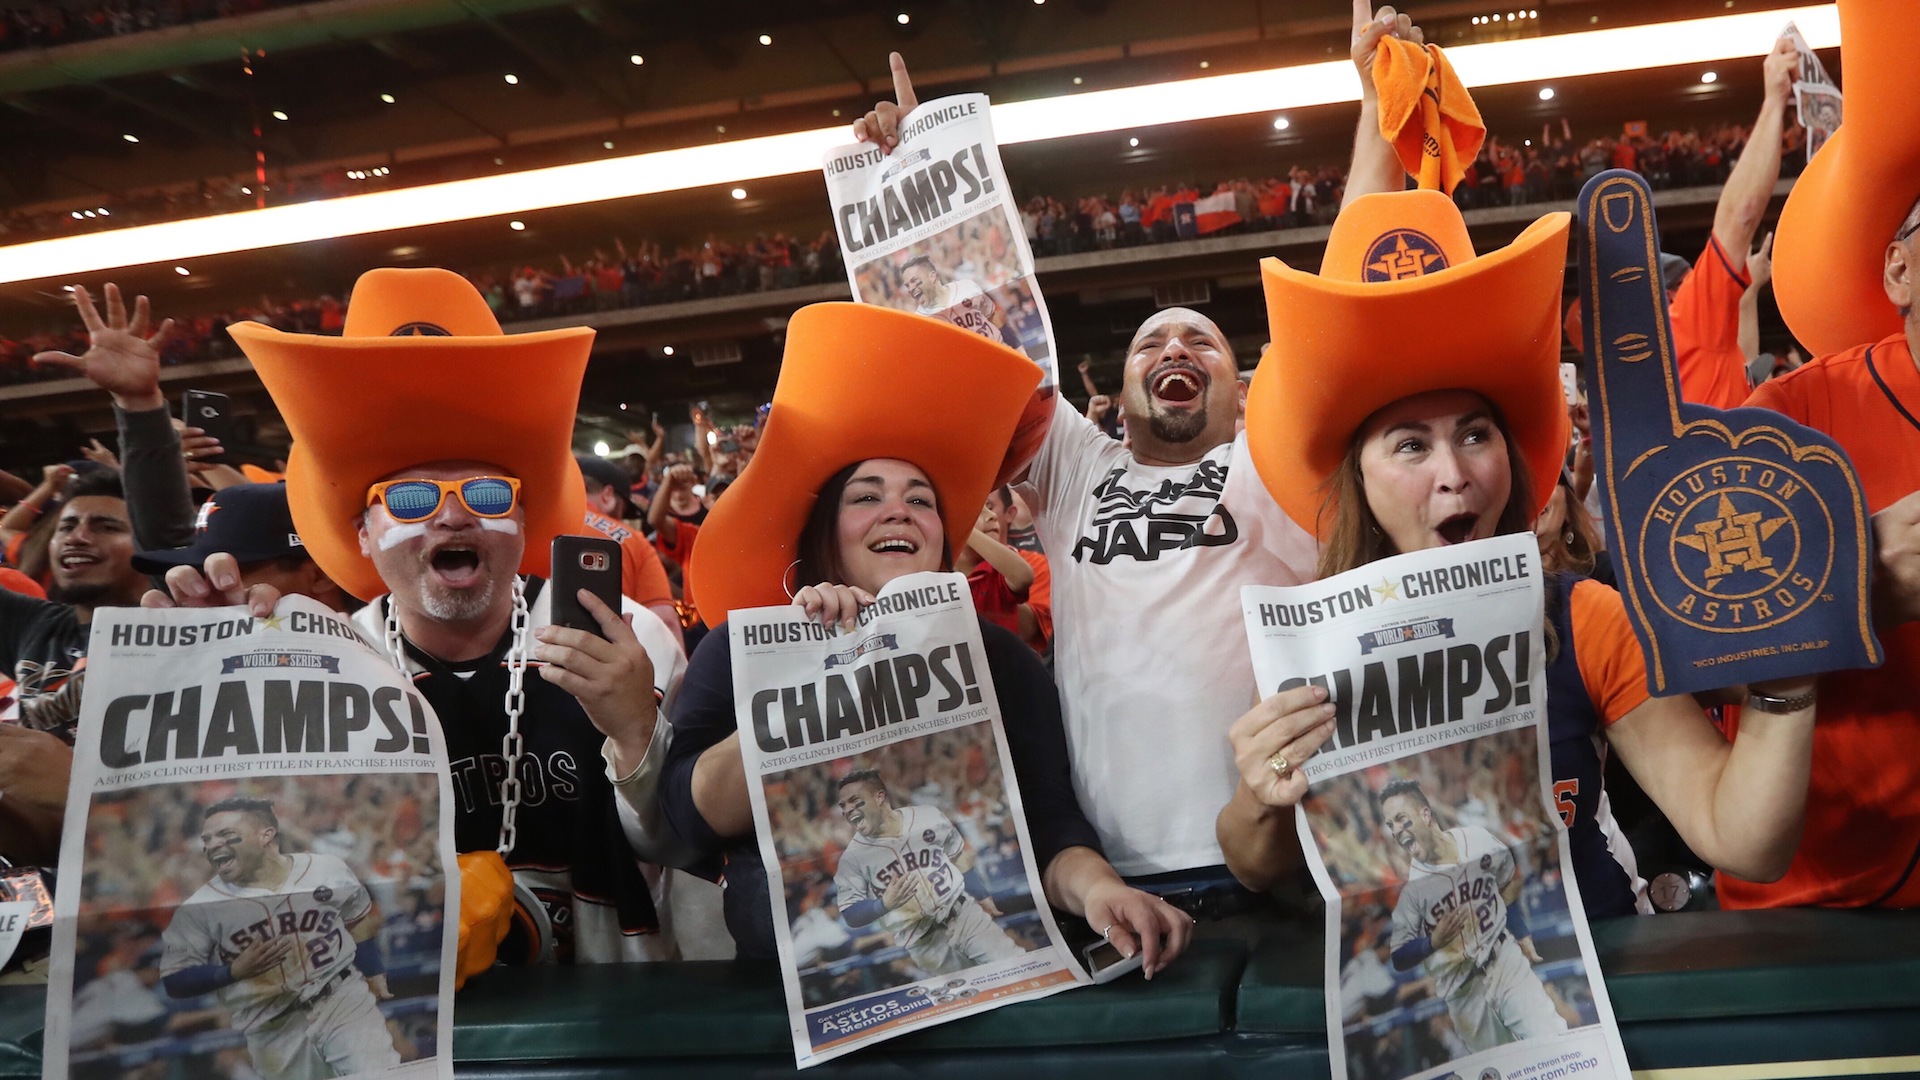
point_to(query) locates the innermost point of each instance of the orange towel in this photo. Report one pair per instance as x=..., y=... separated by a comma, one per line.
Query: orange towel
x=1426, y=113
x=257, y=475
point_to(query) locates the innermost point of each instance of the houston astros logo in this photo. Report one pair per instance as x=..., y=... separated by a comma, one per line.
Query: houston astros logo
x=205, y=517
x=1730, y=530
x=421, y=329
x=1401, y=254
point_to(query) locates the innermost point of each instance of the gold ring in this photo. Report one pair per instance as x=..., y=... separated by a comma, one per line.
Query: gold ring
x=1278, y=763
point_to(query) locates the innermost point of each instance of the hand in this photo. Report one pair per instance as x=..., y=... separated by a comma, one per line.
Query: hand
x=992, y=909
x=1451, y=926
x=1527, y=950
x=659, y=429
x=486, y=912
x=1896, y=549
x=195, y=443
x=1760, y=264
x=611, y=677
x=676, y=476
x=829, y=604
x=1292, y=724
x=55, y=477
x=97, y=452
x=220, y=585
x=34, y=767
x=1134, y=920
x=378, y=984
x=901, y=891
x=1780, y=67
x=1084, y=367
x=1369, y=29
x=262, y=956
x=1098, y=406
x=215, y=475
x=122, y=358
x=881, y=126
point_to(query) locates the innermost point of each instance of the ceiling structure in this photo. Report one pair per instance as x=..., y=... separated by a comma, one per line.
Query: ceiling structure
x=204, y=113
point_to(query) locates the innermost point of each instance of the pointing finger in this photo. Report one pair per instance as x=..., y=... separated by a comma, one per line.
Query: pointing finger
x=902, y=84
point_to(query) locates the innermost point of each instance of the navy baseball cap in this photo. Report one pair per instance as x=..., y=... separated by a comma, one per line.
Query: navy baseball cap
x=603, y=473
x=251, y=522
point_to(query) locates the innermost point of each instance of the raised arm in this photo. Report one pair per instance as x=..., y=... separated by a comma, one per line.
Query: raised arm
x=1760, y=271
x=1375, y=167
x=1743, y=202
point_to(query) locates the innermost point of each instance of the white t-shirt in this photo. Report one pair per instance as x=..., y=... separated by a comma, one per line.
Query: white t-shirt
x=1150, y=649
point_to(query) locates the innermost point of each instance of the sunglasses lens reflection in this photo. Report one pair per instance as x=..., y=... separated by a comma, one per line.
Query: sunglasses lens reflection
x=412, y=500
x=488, y=497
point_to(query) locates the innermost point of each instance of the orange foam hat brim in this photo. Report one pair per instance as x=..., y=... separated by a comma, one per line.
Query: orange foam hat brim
x=1344, y=350
x=860, y=382
x=361, y=408
x=1829, y=253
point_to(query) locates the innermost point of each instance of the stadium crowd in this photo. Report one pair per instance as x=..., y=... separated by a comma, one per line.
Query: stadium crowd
x=1138, y=830
x=651, y=272
x=45, y=24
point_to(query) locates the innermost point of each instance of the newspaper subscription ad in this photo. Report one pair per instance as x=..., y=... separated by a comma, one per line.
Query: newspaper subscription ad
x=900, y=872
x=1456, y=938
x=254, y=865
x=932, y=228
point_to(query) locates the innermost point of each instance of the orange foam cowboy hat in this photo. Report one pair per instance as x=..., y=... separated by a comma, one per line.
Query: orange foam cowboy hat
x=1403, y=306
x=421, y=373
x=1830, y=248
x=861, y=382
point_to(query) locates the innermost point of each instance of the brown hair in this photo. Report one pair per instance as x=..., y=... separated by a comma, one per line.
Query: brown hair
x=1576, y=548
x=1355, y=537
x=819, y=545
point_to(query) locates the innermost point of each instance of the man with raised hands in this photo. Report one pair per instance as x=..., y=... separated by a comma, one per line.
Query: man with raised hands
x=1148, y=545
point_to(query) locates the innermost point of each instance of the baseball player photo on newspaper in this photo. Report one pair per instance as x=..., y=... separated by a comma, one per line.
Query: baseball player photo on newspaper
x=1457, y=943
x=932, y=228
x=898, y=862
x=256, y=829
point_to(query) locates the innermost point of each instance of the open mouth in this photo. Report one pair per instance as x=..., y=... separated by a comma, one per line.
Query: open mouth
x=893, y=545
x=1457, y=529
x=456, y=566
x=221, y=860
x=1176, y=385
x=78, y=560
x=1405, y=839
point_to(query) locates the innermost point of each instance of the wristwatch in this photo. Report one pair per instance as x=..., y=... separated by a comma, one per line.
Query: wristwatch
x=1767, y=703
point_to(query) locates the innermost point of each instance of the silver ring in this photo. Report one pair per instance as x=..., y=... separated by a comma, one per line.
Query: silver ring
x=1108, y=931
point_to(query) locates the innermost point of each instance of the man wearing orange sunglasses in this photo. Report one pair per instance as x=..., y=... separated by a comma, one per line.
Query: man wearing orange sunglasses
x=447, y=502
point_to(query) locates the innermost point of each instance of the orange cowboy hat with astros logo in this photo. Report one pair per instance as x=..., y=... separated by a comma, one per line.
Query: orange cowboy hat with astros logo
x=1830, y=249
x=861, y=382
x=421, y=373
x=1402, y=305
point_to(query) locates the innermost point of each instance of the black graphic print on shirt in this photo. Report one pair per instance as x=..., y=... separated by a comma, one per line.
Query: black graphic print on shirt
x=1142, y=525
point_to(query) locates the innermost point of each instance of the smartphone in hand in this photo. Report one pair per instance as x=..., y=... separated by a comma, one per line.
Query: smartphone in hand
x=584, y=562
x=211, y=413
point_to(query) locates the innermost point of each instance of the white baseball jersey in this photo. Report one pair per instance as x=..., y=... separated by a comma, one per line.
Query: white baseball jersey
x=928, y=844
x=1485, y=867
x=968, y=308
x=318, y=902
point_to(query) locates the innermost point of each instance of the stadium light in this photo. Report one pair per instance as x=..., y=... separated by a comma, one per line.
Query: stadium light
x=1536, y=60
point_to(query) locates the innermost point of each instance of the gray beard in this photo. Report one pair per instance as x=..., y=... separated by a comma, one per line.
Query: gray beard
x=1178, y=427
x=456, y=607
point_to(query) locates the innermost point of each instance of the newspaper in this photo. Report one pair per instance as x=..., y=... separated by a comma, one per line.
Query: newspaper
x=1816, y=98
x=1427, y=819
x=259, y=812
x=933, y=228
x=898, y=863
x=13, y=924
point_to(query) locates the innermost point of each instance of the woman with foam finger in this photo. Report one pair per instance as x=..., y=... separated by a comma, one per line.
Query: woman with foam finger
x=855, y=484
x=1397, y=423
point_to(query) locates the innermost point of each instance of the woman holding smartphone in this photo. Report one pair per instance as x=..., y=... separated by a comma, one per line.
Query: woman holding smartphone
x=855, y=484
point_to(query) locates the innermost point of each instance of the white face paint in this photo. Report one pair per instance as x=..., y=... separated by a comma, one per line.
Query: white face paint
x=401, y=532
x=499, y=525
